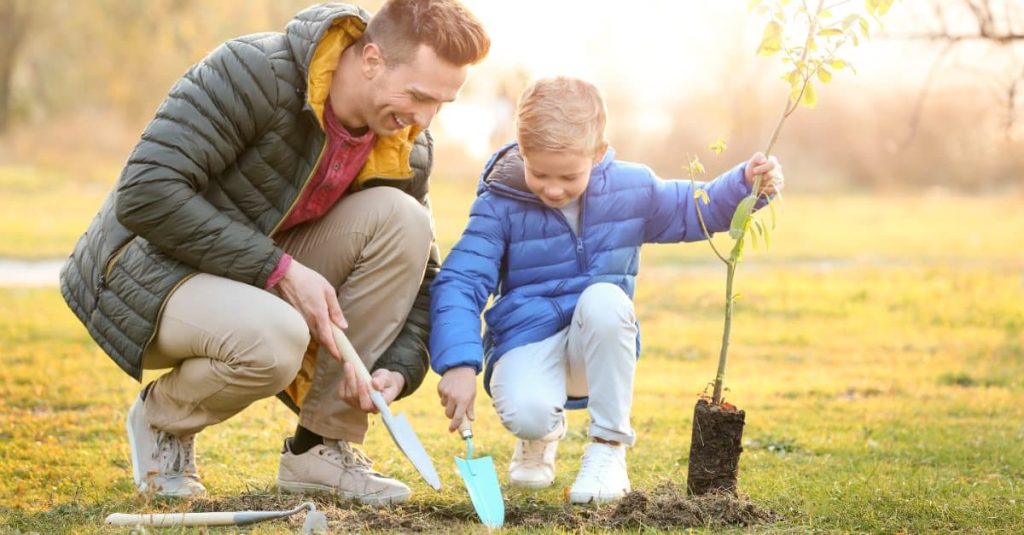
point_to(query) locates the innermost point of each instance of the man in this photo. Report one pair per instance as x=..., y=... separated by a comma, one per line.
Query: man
x=249, y=218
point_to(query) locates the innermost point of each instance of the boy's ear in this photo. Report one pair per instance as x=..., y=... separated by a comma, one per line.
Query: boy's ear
x=600, y=152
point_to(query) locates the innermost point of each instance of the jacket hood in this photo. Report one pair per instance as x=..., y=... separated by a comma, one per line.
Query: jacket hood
x=317, y=36
x=505, y=173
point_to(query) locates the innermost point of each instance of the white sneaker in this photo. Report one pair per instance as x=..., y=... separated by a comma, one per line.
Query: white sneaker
x=602, y=476
x=533, y=462
x=161, y=462
x=337, y=468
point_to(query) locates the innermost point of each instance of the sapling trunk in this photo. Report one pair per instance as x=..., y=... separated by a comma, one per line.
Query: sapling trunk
x=731, y=263
x=717, y=435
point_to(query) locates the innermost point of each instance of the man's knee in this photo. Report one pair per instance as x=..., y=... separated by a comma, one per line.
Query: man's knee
x=278, y=344
x=404, y=222
x=605, y=308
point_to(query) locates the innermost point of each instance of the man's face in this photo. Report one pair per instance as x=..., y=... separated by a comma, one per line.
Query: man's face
x=557, y=177
x=411, y=93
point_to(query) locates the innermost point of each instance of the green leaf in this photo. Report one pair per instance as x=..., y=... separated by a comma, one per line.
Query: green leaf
x=883, y=6
x=718, y=147
x=864, y=27
x=771, y=41
x=737, y=252
x=838, y=64
x=695, y=167
x=810, y=96
x=829, y=32
x=741, y=217
x=824, y=75
x=824, y=14
x=702, y=194
x=753, y=234
x=771, y=210
x=767, y=239
x=792, y=77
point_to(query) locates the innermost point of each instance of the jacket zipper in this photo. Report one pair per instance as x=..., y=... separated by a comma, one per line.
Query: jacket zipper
x=581, y=256
x=302, y=190
x=109, y=268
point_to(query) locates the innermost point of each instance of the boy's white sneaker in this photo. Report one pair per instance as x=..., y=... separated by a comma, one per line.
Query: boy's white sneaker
x=533, y=462
x=162, y=463
x=602, y=477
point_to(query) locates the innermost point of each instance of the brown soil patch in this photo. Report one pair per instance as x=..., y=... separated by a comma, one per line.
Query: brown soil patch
x=664, y=507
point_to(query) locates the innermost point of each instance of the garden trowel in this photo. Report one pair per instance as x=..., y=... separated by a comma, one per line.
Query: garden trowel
x=398, y=426
x=481, y=481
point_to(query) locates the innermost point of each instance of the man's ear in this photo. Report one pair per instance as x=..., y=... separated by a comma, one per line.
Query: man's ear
x=600, y=152
x=372, y=60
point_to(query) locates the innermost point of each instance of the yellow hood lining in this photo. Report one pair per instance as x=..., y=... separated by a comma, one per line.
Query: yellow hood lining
x=389, y=158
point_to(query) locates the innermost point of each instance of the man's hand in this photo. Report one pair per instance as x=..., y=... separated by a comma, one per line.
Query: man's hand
x=317, y=301
x=770, y=167
x=457, y=390
x=357, y=394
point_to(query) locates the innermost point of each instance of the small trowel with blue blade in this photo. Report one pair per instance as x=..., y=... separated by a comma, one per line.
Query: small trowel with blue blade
x=481, y=482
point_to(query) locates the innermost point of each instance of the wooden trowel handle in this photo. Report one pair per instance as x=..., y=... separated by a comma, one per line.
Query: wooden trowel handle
x=349, y=355
x=466, y=428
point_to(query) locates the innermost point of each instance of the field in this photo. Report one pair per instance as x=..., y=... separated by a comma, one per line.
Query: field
x=878, y=351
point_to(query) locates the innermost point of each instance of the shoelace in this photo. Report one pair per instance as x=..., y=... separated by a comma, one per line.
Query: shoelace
x=533, y=451
x=348, y=456
x=188, y=456
x=596, y=459
x=169, y=454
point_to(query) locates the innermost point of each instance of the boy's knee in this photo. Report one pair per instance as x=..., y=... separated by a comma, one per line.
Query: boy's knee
x=606, y=308
x=531, y=419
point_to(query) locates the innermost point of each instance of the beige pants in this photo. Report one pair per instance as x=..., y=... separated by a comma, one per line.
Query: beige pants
x=230, y=344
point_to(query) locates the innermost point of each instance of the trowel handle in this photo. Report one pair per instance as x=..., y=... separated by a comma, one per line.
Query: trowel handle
x=466, y=428
x=349, y=355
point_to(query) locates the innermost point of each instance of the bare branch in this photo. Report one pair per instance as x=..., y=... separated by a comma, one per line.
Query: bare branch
x=1003, y=39
x=915, y=116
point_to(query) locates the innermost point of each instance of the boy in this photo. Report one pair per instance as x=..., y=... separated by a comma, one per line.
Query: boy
x=555, y=235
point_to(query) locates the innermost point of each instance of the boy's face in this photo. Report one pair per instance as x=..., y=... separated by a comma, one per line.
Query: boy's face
x=558, y=177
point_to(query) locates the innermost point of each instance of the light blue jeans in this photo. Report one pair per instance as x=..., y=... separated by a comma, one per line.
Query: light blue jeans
x=594, y=356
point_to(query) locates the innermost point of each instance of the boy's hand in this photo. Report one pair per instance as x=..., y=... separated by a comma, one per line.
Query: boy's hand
x=770, y=167
x=457, y=390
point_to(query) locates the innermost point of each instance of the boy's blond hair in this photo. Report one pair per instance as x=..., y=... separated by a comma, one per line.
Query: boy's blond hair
x=561, y=114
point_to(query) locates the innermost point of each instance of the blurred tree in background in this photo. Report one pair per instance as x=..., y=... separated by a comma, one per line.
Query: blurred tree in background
x=934, y=105
x=15, y=19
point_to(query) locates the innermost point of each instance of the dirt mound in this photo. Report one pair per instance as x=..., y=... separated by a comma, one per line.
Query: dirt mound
x=664, y=507
x=667, y=506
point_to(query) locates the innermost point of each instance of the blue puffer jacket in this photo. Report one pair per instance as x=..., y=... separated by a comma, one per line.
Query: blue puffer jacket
x=524, y=253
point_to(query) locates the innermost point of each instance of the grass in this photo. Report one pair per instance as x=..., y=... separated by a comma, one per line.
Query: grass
x=878, y=352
